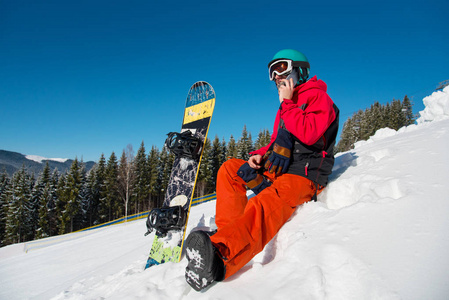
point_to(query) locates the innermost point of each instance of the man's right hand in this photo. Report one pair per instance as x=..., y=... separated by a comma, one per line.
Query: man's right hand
x=255, y=161
x=286, y=88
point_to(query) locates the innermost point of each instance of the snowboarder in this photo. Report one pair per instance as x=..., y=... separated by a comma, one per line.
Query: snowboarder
x=291, y=170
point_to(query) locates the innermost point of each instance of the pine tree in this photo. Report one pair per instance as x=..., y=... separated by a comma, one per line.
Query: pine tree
x=97, y=189
x=224, y=152
x=17, y=229
x=34, y=205
x=4, y=188
x=53, y=204
x=43, y=184
x=214, y=155
x=125, y=177
x=61, y=191
x=396, y=115
x=231, y=150
x=407, y=108
x=244, y=145
x=360, y=126
x=86, y=199
x=376, y=119
x=349, y=135
x=250, y=144
x=111, y=199
x=153, y=171
x=263, y=139
x=215, y=163
x=89, y=198
x=141, y=182
x=205, y=170
x=71, y=215
x=162, y=174
x=84, y=192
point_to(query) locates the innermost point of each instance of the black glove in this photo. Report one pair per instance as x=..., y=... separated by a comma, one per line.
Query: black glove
x=279, y=159
x=254, y=180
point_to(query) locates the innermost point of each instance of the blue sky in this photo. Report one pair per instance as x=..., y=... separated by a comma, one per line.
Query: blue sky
x=82, y=78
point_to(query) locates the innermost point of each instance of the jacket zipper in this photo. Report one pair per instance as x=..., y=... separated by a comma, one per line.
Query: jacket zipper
x=306, y=168
x=324, y=153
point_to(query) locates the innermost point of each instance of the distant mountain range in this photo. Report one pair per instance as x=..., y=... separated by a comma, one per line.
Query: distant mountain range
x=13, y=161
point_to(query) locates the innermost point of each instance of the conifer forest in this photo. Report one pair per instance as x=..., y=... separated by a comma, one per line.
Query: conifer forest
x=34, y=206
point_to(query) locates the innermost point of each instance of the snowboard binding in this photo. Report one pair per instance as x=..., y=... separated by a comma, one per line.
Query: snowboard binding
x=184, y=144
x=165, y=219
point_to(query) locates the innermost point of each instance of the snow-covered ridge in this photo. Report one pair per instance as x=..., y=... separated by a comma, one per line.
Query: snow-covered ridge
x=39, y=159
x=436, y=107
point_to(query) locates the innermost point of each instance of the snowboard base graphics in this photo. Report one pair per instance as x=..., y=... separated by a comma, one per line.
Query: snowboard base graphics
x=188, y=148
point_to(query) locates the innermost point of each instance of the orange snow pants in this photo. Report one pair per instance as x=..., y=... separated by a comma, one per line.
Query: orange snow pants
x=246, y=226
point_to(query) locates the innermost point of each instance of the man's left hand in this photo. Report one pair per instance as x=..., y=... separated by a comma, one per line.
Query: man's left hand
x=279, y=159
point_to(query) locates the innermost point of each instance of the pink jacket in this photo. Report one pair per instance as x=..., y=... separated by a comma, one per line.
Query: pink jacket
x=307, y=115
x=312, y=118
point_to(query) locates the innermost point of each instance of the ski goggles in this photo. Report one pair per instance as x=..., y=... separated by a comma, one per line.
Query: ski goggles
x=284, y=67
x=280, y=67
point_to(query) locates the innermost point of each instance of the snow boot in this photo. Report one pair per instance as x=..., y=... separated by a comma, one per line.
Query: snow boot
x=205, y=264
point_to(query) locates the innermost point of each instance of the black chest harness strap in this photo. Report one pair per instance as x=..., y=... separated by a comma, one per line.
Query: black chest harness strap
x=314, y=197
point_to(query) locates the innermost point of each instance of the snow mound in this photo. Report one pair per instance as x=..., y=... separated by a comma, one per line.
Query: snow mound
x=436, y=107
x=379, y=135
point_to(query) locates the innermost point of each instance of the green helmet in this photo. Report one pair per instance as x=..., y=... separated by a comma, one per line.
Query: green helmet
x=299, y=65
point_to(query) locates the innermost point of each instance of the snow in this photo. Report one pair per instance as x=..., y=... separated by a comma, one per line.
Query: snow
x=436, y=106
x=39, y=159
x=378, y=231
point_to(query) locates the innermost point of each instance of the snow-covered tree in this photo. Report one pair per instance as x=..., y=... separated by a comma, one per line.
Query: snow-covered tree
x=111, y=200
x=244, y=145
x=141, y=180
x=153, y=171
x=17, y=226
x=44, y=199
x=71, y=215
x=231, y=150
x=263, y=139
x=4, y=189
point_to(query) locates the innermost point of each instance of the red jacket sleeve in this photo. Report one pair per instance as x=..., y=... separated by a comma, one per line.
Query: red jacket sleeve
x=308, y=121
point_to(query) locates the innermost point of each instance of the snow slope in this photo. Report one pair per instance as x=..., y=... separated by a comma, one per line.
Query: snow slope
x=377, y=232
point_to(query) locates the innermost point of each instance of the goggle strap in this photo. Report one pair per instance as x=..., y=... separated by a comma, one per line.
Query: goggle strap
x=301, y=64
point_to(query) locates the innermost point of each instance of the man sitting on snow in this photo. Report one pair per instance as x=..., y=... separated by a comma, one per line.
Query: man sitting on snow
x=288, y=172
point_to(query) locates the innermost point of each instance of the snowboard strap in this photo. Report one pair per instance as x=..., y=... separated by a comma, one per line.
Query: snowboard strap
x=184, y=144
x=165, y=219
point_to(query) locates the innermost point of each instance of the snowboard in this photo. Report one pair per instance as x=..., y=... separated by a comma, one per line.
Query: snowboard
x=188, y=148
